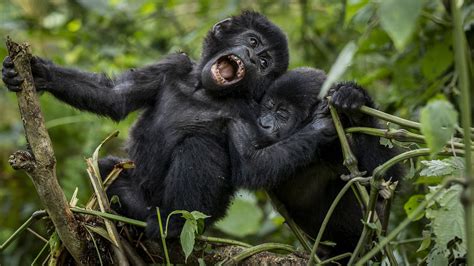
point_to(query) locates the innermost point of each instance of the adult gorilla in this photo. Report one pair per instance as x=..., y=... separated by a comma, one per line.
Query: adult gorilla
x=179, y=143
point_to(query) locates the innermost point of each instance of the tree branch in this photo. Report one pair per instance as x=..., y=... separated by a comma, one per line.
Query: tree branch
x=39, y=162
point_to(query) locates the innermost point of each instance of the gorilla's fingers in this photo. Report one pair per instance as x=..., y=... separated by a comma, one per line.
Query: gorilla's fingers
x=7, y=62
x=9, y=73
x=16, y=81
x=14, y=88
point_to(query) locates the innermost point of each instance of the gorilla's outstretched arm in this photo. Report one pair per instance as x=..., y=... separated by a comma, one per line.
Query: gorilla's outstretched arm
x=97, y=93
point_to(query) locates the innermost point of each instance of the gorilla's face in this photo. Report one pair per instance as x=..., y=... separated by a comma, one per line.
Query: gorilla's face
x=237, y=57
x=278, y=118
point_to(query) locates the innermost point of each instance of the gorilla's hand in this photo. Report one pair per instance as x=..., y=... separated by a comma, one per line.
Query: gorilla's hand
x=323, y=126
x=349, y=97
x=39, y=69
x=9, y=75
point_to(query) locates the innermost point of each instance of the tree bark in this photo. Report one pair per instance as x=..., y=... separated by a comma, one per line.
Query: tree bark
x=39, y=162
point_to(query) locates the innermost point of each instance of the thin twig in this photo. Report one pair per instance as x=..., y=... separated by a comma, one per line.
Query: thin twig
x=33, y=218
x=280, y=207
x=257, y=249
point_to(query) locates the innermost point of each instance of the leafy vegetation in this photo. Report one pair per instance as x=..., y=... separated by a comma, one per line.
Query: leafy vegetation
x=403, y=52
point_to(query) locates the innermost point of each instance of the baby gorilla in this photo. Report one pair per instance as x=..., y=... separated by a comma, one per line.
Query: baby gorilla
x=307, y=191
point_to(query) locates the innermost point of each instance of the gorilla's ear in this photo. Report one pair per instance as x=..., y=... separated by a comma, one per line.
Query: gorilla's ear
x=221, y=26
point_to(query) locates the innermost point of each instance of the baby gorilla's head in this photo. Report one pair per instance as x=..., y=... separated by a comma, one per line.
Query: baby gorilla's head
x=289, y=102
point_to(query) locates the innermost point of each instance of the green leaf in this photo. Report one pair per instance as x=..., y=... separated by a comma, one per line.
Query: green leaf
x=243, y=218
x=343, y=61
x=436, y=60
x=352, y=7
x=412, y=204
x=187, y=237
x=100, y=231
x=436, y=168
x=437, y=257
x=426, y=241
x=438, y=120
x=398, y=18
x=199, y=215
x=447, y=218
x=448, y=166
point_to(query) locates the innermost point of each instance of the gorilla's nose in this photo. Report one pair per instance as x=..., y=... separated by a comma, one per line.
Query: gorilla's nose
x=251, y=55
x=265, y=122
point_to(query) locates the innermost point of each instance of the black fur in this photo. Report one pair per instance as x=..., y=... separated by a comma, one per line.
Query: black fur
x=179, y=143
x=308, y=187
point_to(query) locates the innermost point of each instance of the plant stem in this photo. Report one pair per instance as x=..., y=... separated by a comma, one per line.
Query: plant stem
x=368, y=219
x=163, y=237
x=291, y=223
x=223, y=241
x=257, y=249
x=460, y=49
x=397, y=134
x=411, y=216
x=350, y=161
x=329, y=214
x=40, y=253
x=110, y=216
x=335, y=258
x=391, y=118
x=33, y=218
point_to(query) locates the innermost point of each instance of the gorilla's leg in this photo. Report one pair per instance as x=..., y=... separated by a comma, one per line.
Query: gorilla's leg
x=197, y=180
x=131, y=202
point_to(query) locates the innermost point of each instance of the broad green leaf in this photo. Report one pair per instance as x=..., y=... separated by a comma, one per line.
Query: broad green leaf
x=352, y=7
x=447, y=218
x=449, y=166
x=436, y=60
x=438, y=120
x=343, y=61
x=412, y=204
x=243, y=218
x=436, y=168
x=437, y=257
x=398, y=18
x=187, y=237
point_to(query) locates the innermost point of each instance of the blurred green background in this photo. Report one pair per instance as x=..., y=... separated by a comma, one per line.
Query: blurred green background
x=404, y=58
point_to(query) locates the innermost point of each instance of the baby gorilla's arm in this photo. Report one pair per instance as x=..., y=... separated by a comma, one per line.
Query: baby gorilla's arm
x=264, y=167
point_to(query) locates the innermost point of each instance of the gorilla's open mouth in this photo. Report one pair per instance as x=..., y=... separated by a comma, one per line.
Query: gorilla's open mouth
x=228, y=69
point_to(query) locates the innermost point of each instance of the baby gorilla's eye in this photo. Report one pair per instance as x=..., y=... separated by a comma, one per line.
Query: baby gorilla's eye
x=263, y=63
x=283, y=113
x=253, y=42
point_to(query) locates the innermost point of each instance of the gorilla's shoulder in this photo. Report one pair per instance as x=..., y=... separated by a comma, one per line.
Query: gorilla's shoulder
x=178, y=64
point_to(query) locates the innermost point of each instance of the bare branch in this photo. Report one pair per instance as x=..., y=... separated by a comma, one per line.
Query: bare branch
x=39, y=163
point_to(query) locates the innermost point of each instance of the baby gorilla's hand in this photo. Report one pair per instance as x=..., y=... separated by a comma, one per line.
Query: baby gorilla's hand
x=349, y=97
x=324, y=126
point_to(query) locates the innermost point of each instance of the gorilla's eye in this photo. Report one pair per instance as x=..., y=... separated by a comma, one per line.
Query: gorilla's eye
x=263, y=63
x=253, y=42
x=283, y=113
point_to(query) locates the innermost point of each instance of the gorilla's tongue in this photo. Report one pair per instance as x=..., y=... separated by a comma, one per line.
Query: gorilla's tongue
x=226, y=69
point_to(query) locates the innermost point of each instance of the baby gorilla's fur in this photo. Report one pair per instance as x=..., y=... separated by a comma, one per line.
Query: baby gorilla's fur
x=307, y=190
